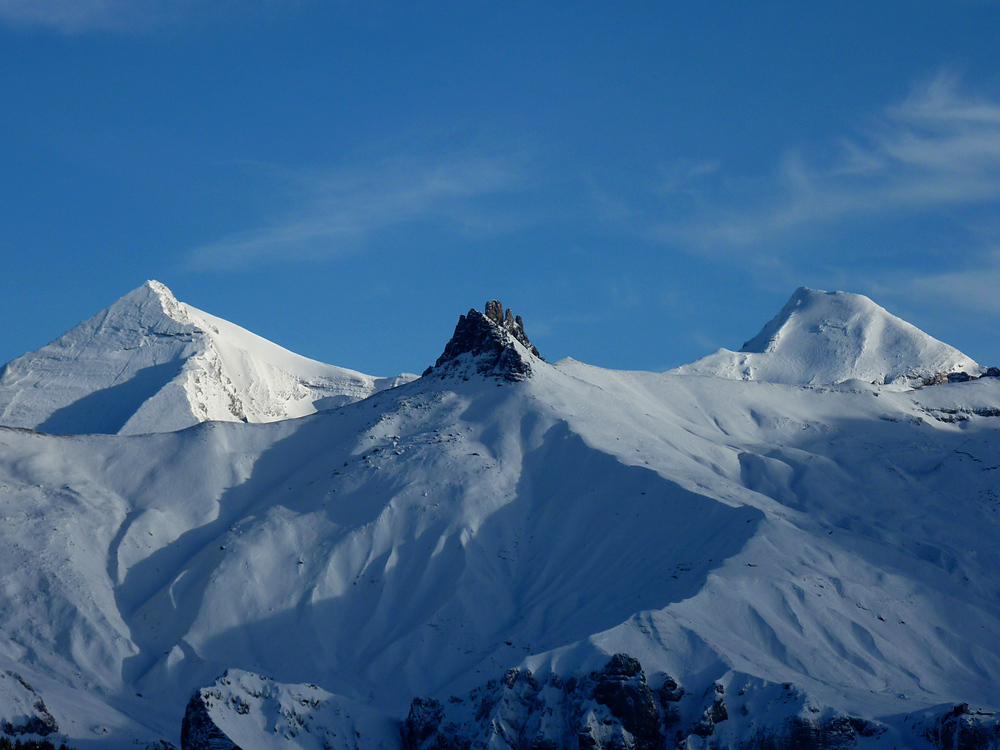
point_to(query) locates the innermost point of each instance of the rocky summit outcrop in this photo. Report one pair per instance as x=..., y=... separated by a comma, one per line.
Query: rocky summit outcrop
x=491, y=343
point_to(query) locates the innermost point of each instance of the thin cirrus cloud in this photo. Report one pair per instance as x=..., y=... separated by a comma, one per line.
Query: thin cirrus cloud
x=938, y=149
x=124, y=16
x=340, y=211
x=968, y=289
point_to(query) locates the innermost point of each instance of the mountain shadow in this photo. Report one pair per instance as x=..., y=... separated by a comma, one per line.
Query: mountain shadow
x=585, y=542
x=106, y=411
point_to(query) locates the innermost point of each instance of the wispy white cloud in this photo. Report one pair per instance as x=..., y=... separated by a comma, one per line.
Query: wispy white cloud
x=973, y=288
x=126, y=16
x=937, y=149
x=341, y=210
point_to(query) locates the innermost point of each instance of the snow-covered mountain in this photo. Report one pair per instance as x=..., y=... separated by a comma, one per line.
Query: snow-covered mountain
x=508, y=553
x=149, y=363
x=829, y=337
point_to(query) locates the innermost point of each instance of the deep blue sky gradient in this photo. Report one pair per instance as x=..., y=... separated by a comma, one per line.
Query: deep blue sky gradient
x=643, y=182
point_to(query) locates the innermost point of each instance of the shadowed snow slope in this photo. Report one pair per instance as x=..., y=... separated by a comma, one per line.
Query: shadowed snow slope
x=150, y=363
x=830, y=337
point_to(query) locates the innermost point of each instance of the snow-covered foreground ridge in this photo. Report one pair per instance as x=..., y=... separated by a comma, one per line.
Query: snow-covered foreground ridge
x=510, y=553
x=149, y=363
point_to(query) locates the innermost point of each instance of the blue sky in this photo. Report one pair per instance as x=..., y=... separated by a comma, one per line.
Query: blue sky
x=644, y=182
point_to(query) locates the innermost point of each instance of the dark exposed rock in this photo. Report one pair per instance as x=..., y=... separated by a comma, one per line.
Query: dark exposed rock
x=798, y=733
x=622, y=688
x=959, y=728
x=622, y=667
x=198, y=731
x=939, y=378
x=958, y=377
x=671, y=692
x=483, y=343
x=39, y=722
x=714, y=714
x=954, y=415
x=423, y=721
x=834, y=734
x=615, y=709
x=41, y=725
x=611, y=708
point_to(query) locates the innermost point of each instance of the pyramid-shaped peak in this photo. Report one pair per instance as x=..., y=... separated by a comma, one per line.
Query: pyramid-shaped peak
x=149, y=292
x=828, y=337
x=152, y=292
x=151, y=307
x=825, y=312
x=488, y=343
x=149, y=363
x=159, y=289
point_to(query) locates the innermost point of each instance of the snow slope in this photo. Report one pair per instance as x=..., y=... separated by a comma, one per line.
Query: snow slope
x=829, y=337
x=150, y=363
x=840, y=540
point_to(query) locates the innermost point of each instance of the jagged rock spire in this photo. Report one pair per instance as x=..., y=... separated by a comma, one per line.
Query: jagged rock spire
x=510, y=323
x=491, y=343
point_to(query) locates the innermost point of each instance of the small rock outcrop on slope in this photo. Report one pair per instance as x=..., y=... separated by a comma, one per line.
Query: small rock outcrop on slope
x=490, y=343
x=22, y=710
x=246, y=710
x=199, y=732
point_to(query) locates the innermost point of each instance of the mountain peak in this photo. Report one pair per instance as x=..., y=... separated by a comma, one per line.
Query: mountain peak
x=150, y=363
x=150, y=308
x=805, y=299
x=488, y=343
x=160, y=291
x=828, y=337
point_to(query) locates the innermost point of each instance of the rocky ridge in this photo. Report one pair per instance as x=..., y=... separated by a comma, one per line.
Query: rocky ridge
x=618, y=708
x=614, y=708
